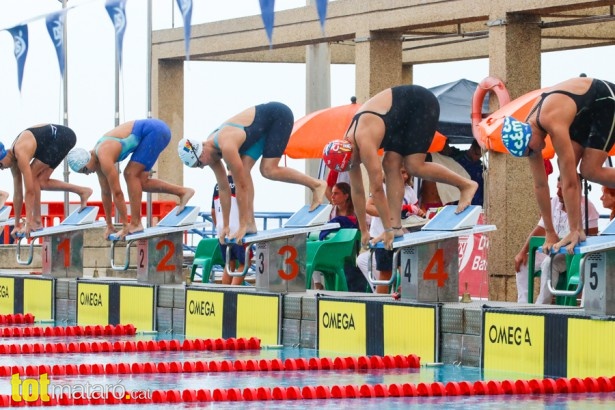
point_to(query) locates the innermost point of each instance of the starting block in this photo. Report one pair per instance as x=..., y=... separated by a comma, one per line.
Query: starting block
x=429, y=258
x=62, y=248
x=159, y=248
x=597, y=271
x=5, y=213
x=280, y=254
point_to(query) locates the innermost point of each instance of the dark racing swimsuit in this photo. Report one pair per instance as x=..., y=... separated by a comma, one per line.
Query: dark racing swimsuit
x=53, y=142
x=594, y=123
x=410, y=124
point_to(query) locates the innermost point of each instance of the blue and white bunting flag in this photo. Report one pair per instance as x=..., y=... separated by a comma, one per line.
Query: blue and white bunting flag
x=267, y=7
x=117, y=12
x=321, y=7
x=55, y=28
x=20, y=42
x=185, y=6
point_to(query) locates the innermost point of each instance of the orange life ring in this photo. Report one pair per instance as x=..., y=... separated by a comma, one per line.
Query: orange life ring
x=487, y=84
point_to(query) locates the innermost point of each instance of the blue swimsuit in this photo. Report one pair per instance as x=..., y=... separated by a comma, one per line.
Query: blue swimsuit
x=146, y=141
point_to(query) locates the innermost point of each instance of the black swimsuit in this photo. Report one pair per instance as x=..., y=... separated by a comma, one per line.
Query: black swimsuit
x=594, y=123
x=410, y=124
x=53, y=142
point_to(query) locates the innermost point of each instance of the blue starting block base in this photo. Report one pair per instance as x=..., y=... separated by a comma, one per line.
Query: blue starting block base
x=280, y=256
x=426, y=262
x=448, y=220
x=159, y=248
x=596, y=273
x=304, y=217
x=5, y=216
x=62, y=245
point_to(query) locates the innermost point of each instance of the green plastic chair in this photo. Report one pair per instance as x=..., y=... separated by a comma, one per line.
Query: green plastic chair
x=567, y=280
x=329, y=257
x=207, y=255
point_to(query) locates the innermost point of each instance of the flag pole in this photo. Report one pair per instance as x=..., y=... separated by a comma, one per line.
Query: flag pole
x=65, y=103
x=148, y=77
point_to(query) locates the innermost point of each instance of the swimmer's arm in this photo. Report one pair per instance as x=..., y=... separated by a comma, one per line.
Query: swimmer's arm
x=23, y=165
x=17, y=195
x=224, y=191
x=111, y=191
x=541, y=190
x=242, y=181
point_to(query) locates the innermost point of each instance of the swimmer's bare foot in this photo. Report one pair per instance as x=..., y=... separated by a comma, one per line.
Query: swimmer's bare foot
x=84, y=196
x=467, y=193
x=130, y=229
x=318, y=194
x=251, y=227
x=183, y=199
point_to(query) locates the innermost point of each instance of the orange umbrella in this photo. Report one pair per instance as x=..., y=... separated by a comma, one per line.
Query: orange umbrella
x=311, y=133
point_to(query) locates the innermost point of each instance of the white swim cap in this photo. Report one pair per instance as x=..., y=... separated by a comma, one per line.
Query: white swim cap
x=78, y=158
x=189, y=151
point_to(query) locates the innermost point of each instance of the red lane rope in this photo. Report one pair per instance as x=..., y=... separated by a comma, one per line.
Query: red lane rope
x=201, y=366
x=131, y=346
x=463, y=388
x=16, y=318
x=48, y=331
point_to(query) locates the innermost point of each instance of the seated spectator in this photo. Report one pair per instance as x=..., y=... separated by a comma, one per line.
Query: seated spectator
x=541, y=261
x=333, y=178
x=342, y=213
x=382, y=259
x=608, y=200
x=436, y=194
x=470, y=160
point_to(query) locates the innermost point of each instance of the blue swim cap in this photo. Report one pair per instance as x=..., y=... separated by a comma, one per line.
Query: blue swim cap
x=2, y=151
x=516, y=136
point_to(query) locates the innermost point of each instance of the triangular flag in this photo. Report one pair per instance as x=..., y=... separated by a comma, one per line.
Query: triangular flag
x=321, y=6
x=20, y=41
x=55, y=28
x=117, y=12
x=185, y=6
x=267, y=7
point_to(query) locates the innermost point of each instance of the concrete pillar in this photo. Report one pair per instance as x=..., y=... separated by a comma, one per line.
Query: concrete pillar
x=514, y=57
x=318, y=93
x=378, y=66
x=378, y=60
x=407, y=74
x=168, y=105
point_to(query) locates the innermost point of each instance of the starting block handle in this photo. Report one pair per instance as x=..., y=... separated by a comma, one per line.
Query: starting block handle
x=370, y=271
x=27, y=261
x=127, y=257
x=246, y=264
x=579, y=287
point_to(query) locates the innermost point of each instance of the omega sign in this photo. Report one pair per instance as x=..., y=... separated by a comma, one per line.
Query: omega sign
x=203, y=308
x=333, y=320
x=90, y=299
x=509, y=335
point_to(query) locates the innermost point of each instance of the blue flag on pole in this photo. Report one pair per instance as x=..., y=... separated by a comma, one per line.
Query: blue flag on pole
x=267, y=7
x=20, y=42
x=185, y=6
x=117, y=12
x=55, y=28
x=321, y=6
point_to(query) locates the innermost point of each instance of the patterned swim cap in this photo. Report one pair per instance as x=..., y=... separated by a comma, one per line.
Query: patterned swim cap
x=189, y=151
x=337, y=155
x=516, y=136
x=78, y=158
